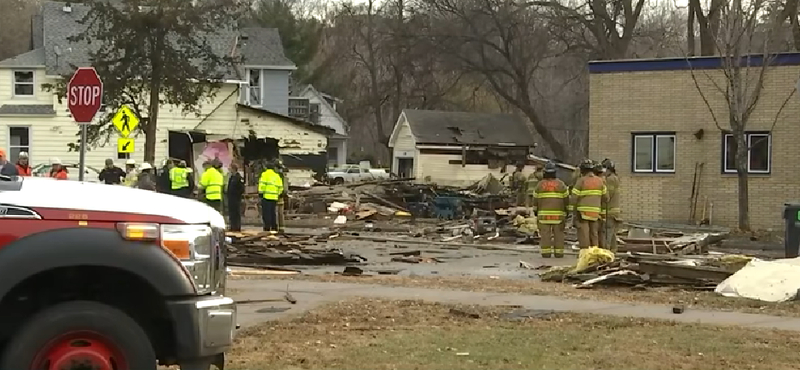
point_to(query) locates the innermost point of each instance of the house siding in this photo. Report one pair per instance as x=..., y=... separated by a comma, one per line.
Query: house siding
x=328, y=117
x=405, y=146
x=275, y=87
x=669, y=101
x=436, y=168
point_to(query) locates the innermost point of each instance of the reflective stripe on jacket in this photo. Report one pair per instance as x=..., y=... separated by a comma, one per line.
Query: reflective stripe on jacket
x=212, y=181
x=588, y=196
x=270, y=185
x=550, y=200
x=178, y=178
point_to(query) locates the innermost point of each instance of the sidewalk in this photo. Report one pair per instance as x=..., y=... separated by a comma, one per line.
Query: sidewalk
x=311, y=294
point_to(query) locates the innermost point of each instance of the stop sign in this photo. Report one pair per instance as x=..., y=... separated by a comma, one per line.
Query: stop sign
x=84, y=94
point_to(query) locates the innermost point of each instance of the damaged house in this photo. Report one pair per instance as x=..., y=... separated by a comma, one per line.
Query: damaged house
x=253, y=99
x=458, y=148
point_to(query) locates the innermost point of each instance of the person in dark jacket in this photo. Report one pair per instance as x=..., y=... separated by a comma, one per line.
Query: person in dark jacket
x=111, y=174
x=235, y=193
x=164, y=184
x=146, y=179
x=7, y=168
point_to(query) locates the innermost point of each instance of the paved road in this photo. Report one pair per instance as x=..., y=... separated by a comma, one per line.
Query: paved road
x=311, y=294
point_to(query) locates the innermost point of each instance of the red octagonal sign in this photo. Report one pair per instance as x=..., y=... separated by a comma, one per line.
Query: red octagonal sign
x=84, y=94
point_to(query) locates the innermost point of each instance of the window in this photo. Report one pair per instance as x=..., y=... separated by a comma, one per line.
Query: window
x=654, y=152
x=19, y=141
x=23, y=83
x=123, y=155
x=759, y=155
x=254, y=87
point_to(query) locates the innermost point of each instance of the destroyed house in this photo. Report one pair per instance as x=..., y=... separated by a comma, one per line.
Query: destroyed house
x=675, y=163
x=457, y=148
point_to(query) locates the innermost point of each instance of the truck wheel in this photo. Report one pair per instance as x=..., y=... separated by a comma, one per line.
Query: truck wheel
x=80, y=335
x=338, y=181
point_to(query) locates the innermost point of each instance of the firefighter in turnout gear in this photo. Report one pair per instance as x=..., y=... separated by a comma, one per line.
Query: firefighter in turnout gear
x=518, y=184
x=586, y=201
x=598, y=171
x=613, y=211
x=550, y=201
x=530, y=184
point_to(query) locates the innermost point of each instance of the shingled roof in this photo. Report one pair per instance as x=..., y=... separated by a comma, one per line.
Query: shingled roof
x=440, y=127
x=260, y=46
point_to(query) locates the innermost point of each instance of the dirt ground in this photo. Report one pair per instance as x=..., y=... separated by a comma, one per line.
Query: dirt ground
x=674, y=296
x=405, y=335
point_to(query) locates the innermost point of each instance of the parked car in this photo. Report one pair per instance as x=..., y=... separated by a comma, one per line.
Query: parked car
x=355, y=173
x=90, y=174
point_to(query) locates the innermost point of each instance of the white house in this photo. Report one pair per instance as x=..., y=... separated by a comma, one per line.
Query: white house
x=457, y=148
x=34, y=121
x=321, y=108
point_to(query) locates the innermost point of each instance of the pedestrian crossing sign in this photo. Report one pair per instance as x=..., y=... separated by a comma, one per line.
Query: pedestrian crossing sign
x=125, y=121
x=125, y=145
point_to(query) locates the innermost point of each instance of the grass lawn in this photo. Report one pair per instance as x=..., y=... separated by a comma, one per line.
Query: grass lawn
x=690, y=298
x=363, y=334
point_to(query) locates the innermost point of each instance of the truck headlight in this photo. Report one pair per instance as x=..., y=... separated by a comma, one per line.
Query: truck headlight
x=194, y=246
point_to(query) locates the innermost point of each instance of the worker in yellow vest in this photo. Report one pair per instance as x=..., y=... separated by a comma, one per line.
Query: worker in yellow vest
x=270, y=188
x=211, y=183
x=130, y=173
x=179, y=179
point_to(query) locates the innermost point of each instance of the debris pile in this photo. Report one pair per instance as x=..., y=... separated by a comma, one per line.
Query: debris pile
x=641, y=270
x=260, y=250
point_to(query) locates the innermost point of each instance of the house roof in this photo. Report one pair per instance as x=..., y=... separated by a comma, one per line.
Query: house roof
x=27, y=109
x=260, y=47
x=674, y=64
x=33, y=58
x=325, y=130
x=440, y=127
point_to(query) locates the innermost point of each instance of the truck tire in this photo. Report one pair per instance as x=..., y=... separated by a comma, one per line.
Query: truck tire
x=80, y=335
x=338, y=181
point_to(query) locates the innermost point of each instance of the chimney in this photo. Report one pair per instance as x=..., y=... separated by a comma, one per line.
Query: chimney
x=67, y=8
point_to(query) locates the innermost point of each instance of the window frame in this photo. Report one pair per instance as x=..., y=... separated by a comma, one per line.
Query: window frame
x=654, y=136
x=14, y=83
x=748, y=137
x=27, y=147
x=259, y=88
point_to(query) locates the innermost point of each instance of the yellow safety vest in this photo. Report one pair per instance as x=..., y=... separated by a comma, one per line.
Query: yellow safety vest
x=130, y=178
x=212, y=181
x=270, y=185
x=179, y=178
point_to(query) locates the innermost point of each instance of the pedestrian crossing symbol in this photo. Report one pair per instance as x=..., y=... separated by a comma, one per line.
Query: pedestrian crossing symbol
x=125, y=121
x=125, y=145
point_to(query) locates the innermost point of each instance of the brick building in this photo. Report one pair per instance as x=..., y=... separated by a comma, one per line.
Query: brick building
x=649, y=117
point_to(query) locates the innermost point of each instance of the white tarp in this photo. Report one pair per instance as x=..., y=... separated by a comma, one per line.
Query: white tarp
x=769, y=281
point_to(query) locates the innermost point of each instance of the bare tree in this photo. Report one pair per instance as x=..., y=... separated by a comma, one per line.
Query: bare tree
x=741, y=83
x=708, y=24
x=605, y=28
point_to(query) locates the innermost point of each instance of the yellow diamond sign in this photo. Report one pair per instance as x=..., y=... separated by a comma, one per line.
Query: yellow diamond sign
x=125, y=121
x=125, y=145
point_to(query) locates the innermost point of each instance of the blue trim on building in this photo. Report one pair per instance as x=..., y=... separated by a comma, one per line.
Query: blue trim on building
x=673, y=64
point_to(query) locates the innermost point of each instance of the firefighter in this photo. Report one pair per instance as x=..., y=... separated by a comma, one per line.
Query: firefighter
x=146, y=179
x=599, y=171
x=23, y=167
x=270, y=188
x=281, y=206
x=586, y=200
x=211, y=183
x=550, y=201
x=530, y=184
x=57, y=170
x=130, y=173
x=180, y=180
x=614, y=213
x=518, y=181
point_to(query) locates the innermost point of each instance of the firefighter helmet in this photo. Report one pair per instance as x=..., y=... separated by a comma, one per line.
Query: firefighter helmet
x=588, y=165
x=550, y=167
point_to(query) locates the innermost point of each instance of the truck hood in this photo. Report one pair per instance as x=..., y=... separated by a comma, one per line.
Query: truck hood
x=51, y=193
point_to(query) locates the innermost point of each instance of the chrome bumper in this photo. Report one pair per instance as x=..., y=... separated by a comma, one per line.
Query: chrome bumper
x=204, y=326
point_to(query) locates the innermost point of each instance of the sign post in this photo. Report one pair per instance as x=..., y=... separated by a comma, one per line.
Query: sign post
x=84, y=98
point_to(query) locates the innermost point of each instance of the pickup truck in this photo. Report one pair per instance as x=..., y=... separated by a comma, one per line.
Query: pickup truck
x=106, y=277
x=355, y=174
